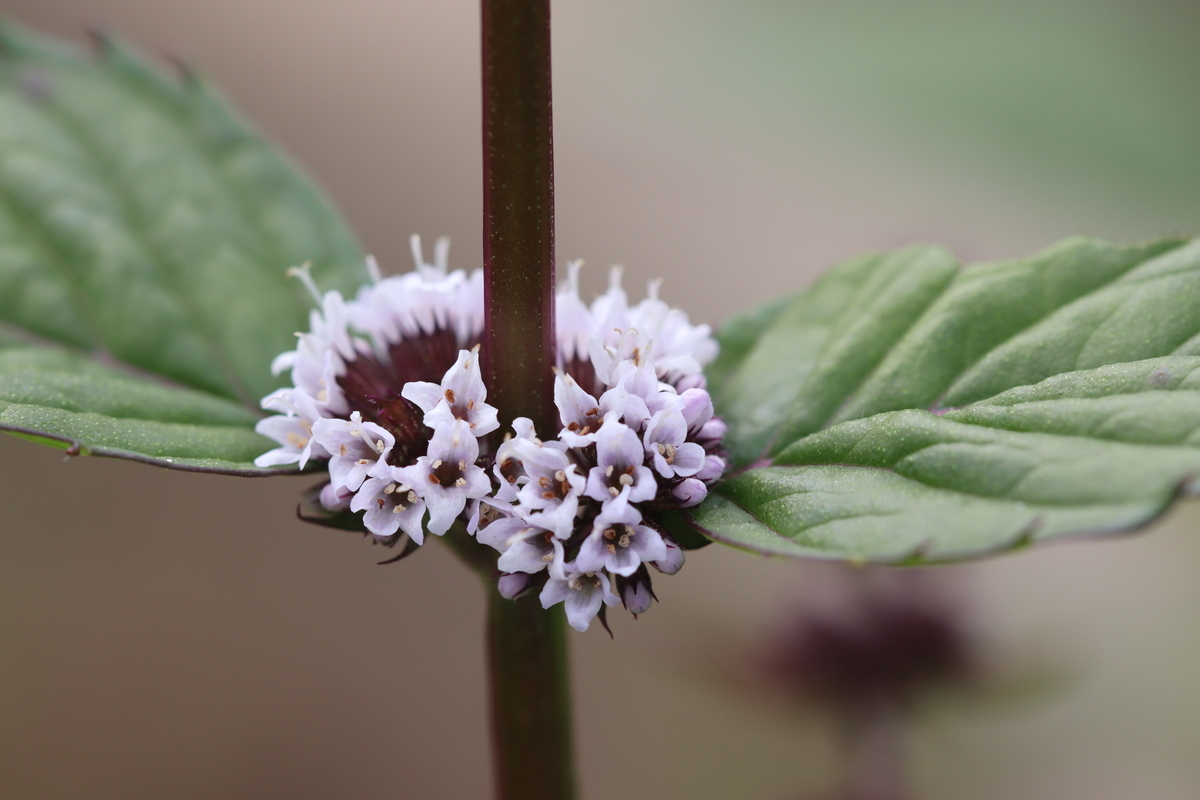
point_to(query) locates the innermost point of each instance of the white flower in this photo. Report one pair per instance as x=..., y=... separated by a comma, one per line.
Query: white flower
x=293, y=430
x=582, y=595
x=354, y=447
x=666, y=443
x=574, y=326
x=390, y=503
x=619, y=543
x=578, y=411
x=550, y=499
x=447, y=477
x=460, y=396
x=510, y=472
x=619, y=472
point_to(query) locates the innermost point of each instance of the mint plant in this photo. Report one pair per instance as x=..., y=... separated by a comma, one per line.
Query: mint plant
x=904, y=409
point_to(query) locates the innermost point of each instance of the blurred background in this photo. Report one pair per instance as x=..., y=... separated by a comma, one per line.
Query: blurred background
x=182, y=636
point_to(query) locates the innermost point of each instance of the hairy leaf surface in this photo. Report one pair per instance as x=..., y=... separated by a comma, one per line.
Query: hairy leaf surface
x=906, y=409
x=145, y=234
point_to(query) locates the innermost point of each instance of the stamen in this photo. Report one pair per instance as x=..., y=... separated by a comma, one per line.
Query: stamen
x=342, y=450
x=549, y=495
x=373, y=270
x=361, y=461
x=437, y=463
x=399, y=509
x=460, y=482
x=624, y=540
x=414, y=244
x=302, y=272
x=434, y=479
x=608, y=471
x=441, y=253
x=391, y=487
x=559, y=476
x=449, y=393
x=625, y=480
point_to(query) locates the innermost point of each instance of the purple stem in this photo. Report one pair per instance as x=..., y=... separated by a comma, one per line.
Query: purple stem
x=527, y=659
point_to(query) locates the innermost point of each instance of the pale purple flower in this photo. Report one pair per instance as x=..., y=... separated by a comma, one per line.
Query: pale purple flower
x=533, y=550
x=390, y=504
x=578, y=411
x=574, y=326
x=447, y=477
x=581, y=594
x=293, y=430
x=354, y=447
x=551, y=497
x=460, y=396
x=666, y=444
x=619, y=472
x=678, y=348
x=619, y=542
x=508, y=469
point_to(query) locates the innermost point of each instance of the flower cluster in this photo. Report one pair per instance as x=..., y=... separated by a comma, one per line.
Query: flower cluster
x=408, y=442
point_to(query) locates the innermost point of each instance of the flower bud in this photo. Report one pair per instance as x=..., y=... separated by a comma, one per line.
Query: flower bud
x=712, y=431
x=513, y=584
x=714, y=467
x=697, y=408
x=336, y=499
x=689, y=492
x=696, y=381
x=674, y=560
x=636, y=596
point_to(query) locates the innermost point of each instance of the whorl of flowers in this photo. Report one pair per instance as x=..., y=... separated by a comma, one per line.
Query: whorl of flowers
x=387, y=388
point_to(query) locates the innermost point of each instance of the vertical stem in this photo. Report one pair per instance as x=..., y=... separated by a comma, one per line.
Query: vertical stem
x=876, y=749
x=518, y=211
x=531, y=723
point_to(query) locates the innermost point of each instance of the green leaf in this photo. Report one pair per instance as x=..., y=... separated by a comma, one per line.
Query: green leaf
x=145, y=234
x=906, y=410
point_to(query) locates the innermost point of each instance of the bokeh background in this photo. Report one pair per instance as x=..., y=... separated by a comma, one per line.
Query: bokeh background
x=182, y=636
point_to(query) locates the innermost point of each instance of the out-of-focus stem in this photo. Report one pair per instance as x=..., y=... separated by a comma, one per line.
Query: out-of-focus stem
x=531, y=706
